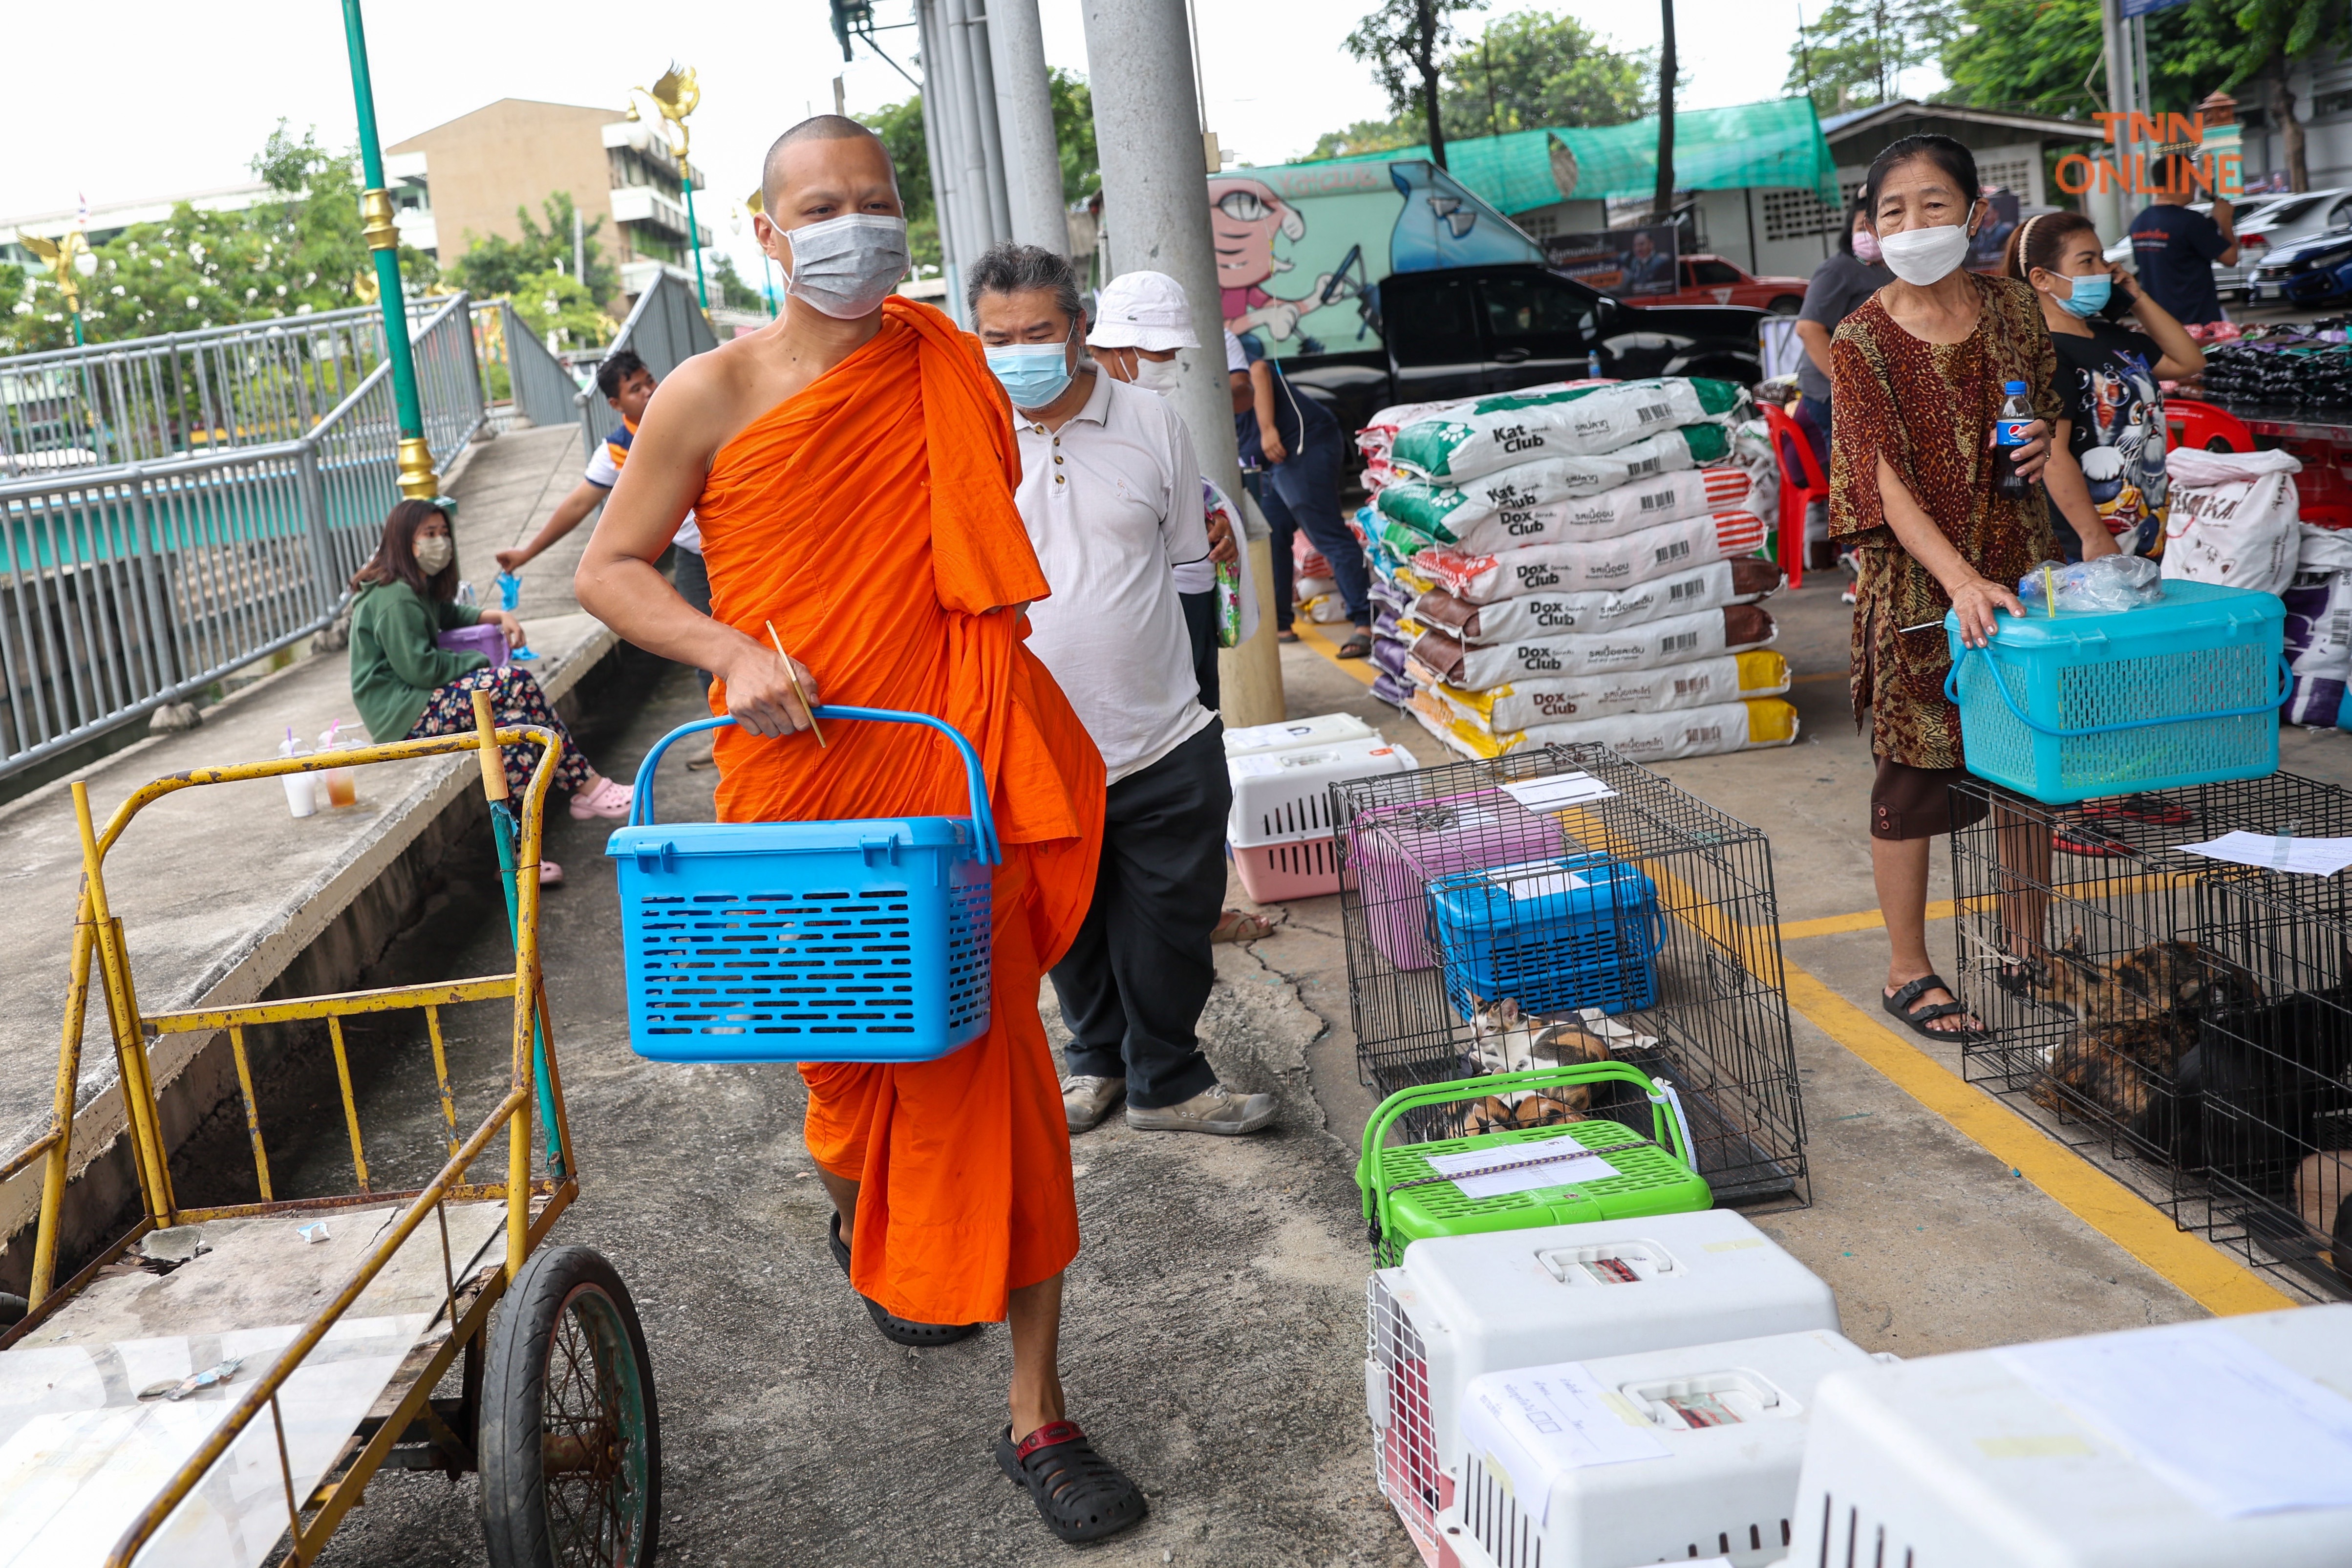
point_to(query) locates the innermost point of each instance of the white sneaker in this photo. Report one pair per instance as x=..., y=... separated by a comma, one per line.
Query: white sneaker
x=1086, y=1100
x=1215, y=1109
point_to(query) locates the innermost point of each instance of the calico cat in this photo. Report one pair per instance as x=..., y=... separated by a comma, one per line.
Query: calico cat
x=2134, y=1021
x=1504, y=1040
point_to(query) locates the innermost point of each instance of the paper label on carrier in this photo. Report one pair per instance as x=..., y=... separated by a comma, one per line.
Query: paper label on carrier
x=2274, y=852
x=1557, y=792
x=1530, y=1169
x=2227, y=1426
x=1535, y=880
x=1538, y=1423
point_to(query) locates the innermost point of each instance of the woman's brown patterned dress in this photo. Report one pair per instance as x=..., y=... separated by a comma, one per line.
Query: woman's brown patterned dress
x=1928, y=408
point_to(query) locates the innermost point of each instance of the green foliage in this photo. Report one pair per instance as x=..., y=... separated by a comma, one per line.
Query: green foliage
x=2047, y=55
x=1368, y=136
x=292, y=255
x=900, y=126
x=1406, y=42
x=558, y=302
x=728, y=286
x=1533, y=71
x=1854, y=52
x=497, y=265
x=1074, y=134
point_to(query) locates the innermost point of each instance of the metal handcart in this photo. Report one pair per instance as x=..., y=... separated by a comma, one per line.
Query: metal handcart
x=219, y=1385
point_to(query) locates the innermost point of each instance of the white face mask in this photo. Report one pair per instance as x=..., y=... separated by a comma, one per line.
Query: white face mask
x=1161, y=375
x=434, y=555
x=1924, y=256
x=846, y=267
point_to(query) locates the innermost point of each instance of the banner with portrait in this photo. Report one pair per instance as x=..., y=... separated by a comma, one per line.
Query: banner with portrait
x=1625, y=262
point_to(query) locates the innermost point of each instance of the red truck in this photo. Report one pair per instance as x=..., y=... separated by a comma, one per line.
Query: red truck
x=1711, y=280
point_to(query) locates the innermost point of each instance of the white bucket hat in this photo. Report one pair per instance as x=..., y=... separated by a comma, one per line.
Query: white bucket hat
x=1142, y=311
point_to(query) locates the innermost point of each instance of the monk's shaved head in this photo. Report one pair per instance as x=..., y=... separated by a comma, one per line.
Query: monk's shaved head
x=816, y=127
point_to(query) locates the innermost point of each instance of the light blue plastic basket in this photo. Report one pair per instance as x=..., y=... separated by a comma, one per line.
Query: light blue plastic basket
x=864, y=940
x=2071, y=707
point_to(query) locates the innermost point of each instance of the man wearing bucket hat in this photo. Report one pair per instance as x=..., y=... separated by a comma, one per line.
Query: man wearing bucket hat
x=1110, y=493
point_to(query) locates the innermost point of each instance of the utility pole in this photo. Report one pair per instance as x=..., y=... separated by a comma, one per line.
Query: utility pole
x=417, y=479
x=1155, y=189
x=1662, y=208
x=1024, y=112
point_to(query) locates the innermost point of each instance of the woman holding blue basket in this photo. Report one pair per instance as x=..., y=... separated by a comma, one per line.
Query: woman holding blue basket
x=1918, y=377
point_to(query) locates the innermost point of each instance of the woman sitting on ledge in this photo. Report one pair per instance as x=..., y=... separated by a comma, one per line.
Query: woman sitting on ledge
x=406, y=687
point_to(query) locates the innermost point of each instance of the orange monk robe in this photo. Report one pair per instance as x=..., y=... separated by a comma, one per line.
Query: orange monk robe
x=871, y=518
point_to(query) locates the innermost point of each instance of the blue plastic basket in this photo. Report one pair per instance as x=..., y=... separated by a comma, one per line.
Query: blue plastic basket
x=806, y=942
x=1580, y=931
x=2074, y=706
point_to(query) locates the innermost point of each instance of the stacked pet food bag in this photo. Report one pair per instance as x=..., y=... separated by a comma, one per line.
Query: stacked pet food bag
x=1576, y=562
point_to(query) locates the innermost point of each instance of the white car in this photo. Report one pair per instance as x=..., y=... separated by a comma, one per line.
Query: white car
x=2261, y=223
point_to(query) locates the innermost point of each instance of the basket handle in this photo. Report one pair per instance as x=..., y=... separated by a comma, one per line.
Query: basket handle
x=1992, y=666
x=1670, y=1131
x=640, y=809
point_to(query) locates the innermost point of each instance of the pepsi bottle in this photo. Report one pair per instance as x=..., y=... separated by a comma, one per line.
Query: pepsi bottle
x=2009, y=435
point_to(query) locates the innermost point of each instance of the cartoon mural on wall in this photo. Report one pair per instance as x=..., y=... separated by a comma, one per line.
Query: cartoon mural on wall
x=1338, y=223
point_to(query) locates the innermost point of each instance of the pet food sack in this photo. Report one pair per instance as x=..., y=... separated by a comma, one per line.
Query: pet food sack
x=2232, y=519
x=1501, y=712
x=1537, y=504
x=1532, y=616
x=1517, y=427
x=1738, y=726
x=1378, y=434
x=1676, y=639
x=1582, y=567
x=2319, y=625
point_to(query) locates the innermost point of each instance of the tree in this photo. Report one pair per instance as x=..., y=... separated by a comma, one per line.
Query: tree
x=729, y=284
x=1855, y=52
x=498, y=266
x=1073, y=133
x=1405, y=41
x=1533, y=71
x=1368, y=136
x=295, y=253
x=2270, y=33
x=555, y=303
x=2048, y=54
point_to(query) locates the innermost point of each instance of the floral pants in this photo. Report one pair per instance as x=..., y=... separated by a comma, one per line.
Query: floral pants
x=516, y=698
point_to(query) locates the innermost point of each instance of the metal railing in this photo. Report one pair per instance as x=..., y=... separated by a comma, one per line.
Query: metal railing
x=130, y=584
x=540, y=387
x=144, y=400
x=664, y=330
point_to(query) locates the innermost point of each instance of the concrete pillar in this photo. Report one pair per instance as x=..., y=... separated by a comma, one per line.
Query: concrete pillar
x=960, y=130
x=1156, y=200
x=1024, y=113
x=943, y=187
x=979, y=62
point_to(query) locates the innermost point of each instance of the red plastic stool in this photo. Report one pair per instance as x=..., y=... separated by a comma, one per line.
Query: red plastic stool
x=1801, y=483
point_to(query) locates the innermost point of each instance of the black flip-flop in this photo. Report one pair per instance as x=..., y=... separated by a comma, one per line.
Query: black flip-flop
x=1082, y=1496
x=1899, y=1004
x=899, y=1331
x=1357, y=646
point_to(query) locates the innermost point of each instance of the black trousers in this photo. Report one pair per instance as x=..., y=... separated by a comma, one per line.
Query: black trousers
x=1200, y=626
x=691, y=578
x=1133, y=983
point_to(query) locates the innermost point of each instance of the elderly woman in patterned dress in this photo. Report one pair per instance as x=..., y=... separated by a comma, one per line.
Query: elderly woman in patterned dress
x=1917, y=377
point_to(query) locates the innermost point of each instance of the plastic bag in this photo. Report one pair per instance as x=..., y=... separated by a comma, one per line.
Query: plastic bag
x=2109, y=584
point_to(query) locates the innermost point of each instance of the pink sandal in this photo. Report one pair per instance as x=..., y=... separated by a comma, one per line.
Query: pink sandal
x=608, y=799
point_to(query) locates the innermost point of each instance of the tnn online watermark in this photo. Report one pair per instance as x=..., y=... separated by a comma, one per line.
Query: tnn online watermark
x=2171, y=163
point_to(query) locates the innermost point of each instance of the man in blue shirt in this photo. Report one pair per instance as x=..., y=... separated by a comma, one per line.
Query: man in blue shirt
x=2174, y=249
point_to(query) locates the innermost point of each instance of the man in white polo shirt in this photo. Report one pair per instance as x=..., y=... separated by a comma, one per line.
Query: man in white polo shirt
x=1110, y=491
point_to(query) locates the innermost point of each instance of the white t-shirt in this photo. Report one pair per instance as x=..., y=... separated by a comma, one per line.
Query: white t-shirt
x=1112, y=502
x=604, y=472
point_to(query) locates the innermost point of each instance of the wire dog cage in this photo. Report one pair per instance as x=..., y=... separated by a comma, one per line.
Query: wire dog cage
x=2187, y=1023
x=1638, y=922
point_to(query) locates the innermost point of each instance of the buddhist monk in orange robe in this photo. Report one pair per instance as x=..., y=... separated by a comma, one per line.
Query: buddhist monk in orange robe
x=853, y=467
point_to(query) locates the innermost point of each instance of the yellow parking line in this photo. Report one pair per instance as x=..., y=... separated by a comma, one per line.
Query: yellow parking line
x=2201, y=1271
x=1363, y=669
x=1864, y=919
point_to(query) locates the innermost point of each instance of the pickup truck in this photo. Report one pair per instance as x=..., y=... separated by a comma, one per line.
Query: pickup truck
x=1461, y=332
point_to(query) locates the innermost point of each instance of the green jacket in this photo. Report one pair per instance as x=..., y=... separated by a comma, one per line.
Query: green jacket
x=395, y=666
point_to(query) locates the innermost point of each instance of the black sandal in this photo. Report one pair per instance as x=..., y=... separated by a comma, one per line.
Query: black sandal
x=899, y=1331
x=1357, y=646
x=1900, y=1005
x=1082, y=1496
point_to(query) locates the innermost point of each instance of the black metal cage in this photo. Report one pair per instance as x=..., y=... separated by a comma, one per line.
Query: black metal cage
x=1450, y=894
x=2184, y=1022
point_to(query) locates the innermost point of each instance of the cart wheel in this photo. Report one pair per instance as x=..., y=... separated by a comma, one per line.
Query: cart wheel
x=571, y=1445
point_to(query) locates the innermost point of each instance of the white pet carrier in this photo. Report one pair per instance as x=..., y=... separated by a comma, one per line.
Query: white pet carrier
x=2140, y=1450
x=1460, y=1306
x=1322, y=730
x=1686, y=1452
x=1280, y=827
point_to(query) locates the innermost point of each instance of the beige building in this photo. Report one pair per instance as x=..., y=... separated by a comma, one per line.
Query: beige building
x=468, y=176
